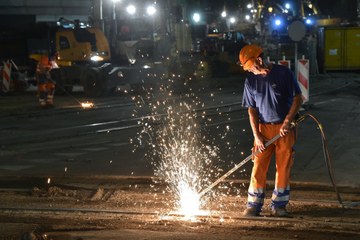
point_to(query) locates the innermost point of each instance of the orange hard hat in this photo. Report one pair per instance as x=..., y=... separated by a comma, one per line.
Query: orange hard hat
x=248, y=54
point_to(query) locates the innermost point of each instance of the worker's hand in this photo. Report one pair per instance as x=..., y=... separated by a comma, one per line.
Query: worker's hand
x=259, y=143
x=285, y=128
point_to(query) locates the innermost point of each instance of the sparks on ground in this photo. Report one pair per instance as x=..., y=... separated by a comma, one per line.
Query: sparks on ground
x=87, y=105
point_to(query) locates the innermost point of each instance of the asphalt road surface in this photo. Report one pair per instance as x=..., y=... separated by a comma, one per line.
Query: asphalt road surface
x=73, y=173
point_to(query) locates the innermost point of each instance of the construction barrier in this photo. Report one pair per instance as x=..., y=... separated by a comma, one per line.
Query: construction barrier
x=6, y=77
x=285, y=62
x=303, y=77
x=270, y=61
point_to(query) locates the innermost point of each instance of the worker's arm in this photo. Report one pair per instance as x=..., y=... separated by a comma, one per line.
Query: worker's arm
x=290, y=117
x=254, y=122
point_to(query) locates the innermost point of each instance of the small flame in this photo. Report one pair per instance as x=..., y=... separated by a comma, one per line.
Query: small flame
x=87, y=104
x=189, y=202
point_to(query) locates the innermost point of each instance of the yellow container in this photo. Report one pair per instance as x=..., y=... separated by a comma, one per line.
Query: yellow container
x=342, y=48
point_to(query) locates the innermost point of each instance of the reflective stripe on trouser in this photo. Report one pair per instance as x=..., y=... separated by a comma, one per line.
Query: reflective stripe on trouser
x=46, y=93
x=283, y=149
x=42, y=93
x=42, y=102
x=50, y=92
x=280, y=197
x=49, y=99
x=256, y=198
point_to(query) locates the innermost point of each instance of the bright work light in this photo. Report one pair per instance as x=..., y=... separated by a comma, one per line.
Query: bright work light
x=131, y=9
x=196, y=17
x=151, y=10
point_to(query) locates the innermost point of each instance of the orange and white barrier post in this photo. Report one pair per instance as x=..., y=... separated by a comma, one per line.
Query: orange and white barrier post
x=6, y=77
x=303, y=77
x=285, y=62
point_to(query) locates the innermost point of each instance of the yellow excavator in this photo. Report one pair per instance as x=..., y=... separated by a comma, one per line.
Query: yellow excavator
x=80, y=53
x=84, y=59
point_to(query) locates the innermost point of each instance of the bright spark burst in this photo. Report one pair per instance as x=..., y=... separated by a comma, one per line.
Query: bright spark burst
x=189, y=202
x=184, y=160
x=181, y=154
x=87, y=105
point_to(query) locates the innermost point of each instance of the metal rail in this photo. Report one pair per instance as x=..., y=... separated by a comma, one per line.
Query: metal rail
x=180, y=217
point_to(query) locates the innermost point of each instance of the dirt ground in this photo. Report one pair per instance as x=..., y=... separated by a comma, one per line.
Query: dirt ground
x=141, y=209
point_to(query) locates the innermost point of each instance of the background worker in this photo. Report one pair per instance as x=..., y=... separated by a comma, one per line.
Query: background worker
x=273, y=98
x=46, y=86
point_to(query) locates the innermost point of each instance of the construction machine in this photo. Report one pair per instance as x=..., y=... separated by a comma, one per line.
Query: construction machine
x=83, y=54
x=80, y=52
x=104, y=56
x=221, y=52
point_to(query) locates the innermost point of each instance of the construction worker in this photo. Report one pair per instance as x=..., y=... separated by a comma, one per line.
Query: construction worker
x=46, y=86
x=273, y=98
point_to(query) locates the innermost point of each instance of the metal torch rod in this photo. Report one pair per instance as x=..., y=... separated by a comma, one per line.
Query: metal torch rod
x=237, y=166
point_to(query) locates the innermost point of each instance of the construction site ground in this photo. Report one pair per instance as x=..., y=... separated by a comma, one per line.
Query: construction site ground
x=33, y=206
x=128, y=208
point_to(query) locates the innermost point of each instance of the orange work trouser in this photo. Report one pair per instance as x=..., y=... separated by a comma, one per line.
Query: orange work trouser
x=284, y=156
x=46, y=93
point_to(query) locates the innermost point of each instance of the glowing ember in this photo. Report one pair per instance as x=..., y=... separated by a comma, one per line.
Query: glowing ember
x=87, y=104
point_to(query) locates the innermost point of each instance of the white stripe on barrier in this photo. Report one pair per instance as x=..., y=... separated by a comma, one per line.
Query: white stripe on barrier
x=303, y=78
x=270, y=61
x=285, y=62
x=6, y=77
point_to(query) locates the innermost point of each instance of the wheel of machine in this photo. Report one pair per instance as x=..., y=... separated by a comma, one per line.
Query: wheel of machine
x=93, y=82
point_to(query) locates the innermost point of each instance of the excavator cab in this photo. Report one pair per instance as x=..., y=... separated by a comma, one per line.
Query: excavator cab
x=81, y=45
x=80, y=51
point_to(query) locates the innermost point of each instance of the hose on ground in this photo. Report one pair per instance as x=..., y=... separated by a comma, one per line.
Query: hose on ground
x=294, y=124
x=326, y=154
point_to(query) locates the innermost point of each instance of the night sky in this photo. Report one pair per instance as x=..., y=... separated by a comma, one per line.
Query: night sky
x=345, y=9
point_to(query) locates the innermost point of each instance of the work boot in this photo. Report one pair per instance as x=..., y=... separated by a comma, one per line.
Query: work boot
x=279, y=212
x=251, y=212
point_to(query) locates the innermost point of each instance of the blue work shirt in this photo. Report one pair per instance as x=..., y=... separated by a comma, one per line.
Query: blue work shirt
x=272, y=95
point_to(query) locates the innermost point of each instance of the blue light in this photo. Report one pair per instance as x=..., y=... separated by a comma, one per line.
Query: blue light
x=308, y=21
x=278, y=23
